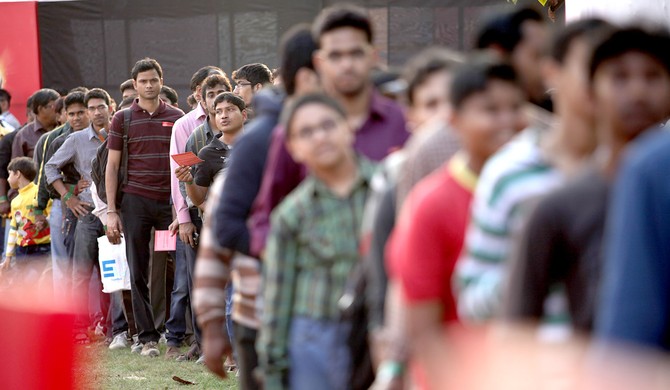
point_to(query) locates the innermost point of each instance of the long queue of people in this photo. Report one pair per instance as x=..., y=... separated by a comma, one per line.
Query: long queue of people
x=336, y=233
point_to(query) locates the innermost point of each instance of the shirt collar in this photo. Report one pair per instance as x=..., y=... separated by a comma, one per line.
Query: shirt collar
x=91, y=132
x=377, y=106
x=26, y=188
x=364, y=176
x=462, y=174
x=218, y=144
x=37, y=126
x=136, y=106
x=200, y=112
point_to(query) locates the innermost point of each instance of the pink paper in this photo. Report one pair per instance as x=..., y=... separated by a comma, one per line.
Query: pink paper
x=164, y=241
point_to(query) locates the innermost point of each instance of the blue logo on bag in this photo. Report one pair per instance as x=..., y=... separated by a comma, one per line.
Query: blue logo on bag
x=108, y=268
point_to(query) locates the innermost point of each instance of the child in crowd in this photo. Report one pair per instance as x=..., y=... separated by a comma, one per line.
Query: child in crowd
x=25, y=241
x=312, y=249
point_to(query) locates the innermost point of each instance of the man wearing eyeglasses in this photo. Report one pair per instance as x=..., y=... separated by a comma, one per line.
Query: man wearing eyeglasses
x=249, y=79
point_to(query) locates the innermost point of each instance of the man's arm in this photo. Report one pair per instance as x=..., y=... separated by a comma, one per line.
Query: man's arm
x=177, y=145
x=211, y=275
x=636, y=274
x=64, y=155
x=281, y=176
x=114, y=228
x=17, y=145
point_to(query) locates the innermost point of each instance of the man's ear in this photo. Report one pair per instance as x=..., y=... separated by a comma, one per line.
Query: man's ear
x=245, y=114
x=135, y=84
x=257, y=87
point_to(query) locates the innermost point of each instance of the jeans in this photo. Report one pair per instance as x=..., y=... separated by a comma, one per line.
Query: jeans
x=190, y=256
x=60, y=261
x=176, y=324
x=139, y=215
x=247, y=358
x=69, y=230
x=318, y=353
x=116, y=315
x=30, y=260
x=85, y=260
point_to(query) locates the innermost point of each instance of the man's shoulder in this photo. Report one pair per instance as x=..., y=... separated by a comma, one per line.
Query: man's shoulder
x=172, y=112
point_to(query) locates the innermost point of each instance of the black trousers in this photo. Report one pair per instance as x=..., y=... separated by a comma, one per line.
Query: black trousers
x=139, y=215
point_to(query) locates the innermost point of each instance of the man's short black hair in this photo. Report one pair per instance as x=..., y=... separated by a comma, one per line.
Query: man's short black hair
x=289, y=111
x=24, y=165
x=653, y=42
x=97, y=93
x=60, y=104
x=475, y=75
x=212, y=81
x=42, y=98
x=128, y=84
x=171, y=94
x=256, y=73
x=4, y=94
x=201, y=74
x=339, y=16
x=295, y=48
x=588, y=29
x=231, y=98
x=504, y=29
x=144, y=65
x=74, y=98
x=427, y=63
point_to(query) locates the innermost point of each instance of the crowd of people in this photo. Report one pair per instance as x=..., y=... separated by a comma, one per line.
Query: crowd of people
x=341, y=220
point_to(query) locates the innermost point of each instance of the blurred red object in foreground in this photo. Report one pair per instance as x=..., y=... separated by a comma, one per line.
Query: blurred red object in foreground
x=36, y=341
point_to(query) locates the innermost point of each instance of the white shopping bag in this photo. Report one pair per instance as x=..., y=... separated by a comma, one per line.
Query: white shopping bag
x=114, y=271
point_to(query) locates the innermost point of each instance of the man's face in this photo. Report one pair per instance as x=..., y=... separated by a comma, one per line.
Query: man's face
x=526, y=58
x=245, y=90
x=211, y=95
x=229, y=118
x=345, y=60
x=98, y=112
x=76, y=116
x=128, y=92
x=47, y=114
x=148, y=84
x=487, y=120
x=631, y=93
x=430, y=99
x=319, y=137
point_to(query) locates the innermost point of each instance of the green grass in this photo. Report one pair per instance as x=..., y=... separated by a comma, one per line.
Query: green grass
x=121, y=369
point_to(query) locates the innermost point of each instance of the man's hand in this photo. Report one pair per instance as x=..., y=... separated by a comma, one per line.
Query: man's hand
x=215, y=345
x=81, y=186
x=114, y=229
x=183, y=173
x=174, y=227
x=79, y=208
x=41, y=222
x=186, y=231
x=5, y=207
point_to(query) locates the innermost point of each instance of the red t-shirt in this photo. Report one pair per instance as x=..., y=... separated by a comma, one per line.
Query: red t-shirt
x=429, y=235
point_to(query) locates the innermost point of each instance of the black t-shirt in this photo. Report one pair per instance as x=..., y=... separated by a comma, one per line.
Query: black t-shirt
x=214, y=155
x=562, y=244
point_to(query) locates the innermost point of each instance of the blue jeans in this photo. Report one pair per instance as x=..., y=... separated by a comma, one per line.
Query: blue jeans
x=176, y=324
x=60, y=261
x=85, y=259
x=318, y=353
